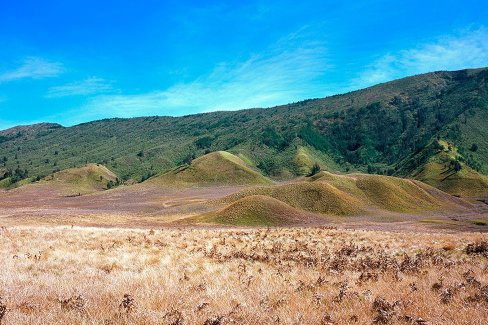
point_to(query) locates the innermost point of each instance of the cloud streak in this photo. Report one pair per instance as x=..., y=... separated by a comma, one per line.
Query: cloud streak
x=466, y=50
x=288, y=71
x=33, y=68
x=89, y=86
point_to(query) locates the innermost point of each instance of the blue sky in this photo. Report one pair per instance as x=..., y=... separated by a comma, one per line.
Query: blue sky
x=75, y=61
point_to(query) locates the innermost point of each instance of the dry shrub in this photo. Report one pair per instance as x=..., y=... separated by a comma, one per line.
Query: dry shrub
x=250, y=276
x=127, y=304
x=214, y=320
x=73, y=303
x=3, y=309
x=385, y=311
x=480, y=247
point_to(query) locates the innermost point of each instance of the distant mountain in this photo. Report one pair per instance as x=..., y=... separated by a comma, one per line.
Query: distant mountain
x=393, y=128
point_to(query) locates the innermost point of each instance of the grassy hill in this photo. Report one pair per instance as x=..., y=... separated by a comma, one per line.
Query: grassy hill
x=327, y=194
x=441, y=172
x=355, y=194
x=216, y=168
x=256, y=210
x=82, y=180
x=381, y=129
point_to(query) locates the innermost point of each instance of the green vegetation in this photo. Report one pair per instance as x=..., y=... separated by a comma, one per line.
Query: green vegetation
x=450, y=172
x=480, y=222
x=441, y=222
x=82, y=180
x=314, y=170
x=216, y=168
x=391, y=129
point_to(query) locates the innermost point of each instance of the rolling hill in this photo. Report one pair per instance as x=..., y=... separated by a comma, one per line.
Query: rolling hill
x=325, y=194
x=256, y=210
x=213, y=169
x=355, y=194
x=386, y=129
x=440, y=171
x=81, y=180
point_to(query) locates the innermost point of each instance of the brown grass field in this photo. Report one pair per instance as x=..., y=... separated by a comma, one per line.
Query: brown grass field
x=145, y=255
x=65, y=275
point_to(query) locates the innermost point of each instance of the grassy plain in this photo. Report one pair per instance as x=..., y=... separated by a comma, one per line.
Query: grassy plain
x=80, y=275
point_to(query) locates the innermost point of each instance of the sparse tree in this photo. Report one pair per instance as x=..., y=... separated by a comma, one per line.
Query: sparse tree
x=189, y=158
x=314, y=170
x=110, y=184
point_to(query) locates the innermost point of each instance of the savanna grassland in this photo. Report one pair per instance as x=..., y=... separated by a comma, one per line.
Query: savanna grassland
x=377, y=199
x=75, y=275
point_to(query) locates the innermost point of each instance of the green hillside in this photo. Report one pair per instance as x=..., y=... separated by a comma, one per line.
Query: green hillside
x=447, y=171
x=213, y=169
x=382, y=129
x=82, y=180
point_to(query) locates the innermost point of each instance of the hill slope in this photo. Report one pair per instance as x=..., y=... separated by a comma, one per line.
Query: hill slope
x=256, y=210
x=216, y=168
x=367, y=130
x=446, y=171
x=356, y=194
x=83, y=180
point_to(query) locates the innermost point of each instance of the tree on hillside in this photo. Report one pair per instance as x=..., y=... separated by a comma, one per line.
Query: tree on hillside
x=110, y=184
x=456, y=165
x=314, y=170
x=203, y=143
x=188, y=159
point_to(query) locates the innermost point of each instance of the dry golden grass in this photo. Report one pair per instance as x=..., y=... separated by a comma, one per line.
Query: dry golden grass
x=80, y=275
x=353, y=195
x=256, y=210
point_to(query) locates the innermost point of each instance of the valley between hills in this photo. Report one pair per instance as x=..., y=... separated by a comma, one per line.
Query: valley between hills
x=410, y=147
x=367, y=207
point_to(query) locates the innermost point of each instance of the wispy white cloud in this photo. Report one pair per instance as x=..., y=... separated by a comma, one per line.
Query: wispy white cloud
x=89, y=86
x=468, y=49
x=288, y=71
x=33, y=68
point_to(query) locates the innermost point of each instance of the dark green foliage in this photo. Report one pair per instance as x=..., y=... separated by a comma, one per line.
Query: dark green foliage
x=456, y=165
x=314, y=138
x=188, y=159
x=147, y=175
x=269, y=166
x=390, y=127
x=474, y=147
x=16, y=175
x=314, y=170
x=272, y=139
x=110, y=184
x=203, y=143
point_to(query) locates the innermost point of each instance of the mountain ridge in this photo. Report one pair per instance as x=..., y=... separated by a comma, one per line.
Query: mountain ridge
x=368, y=130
